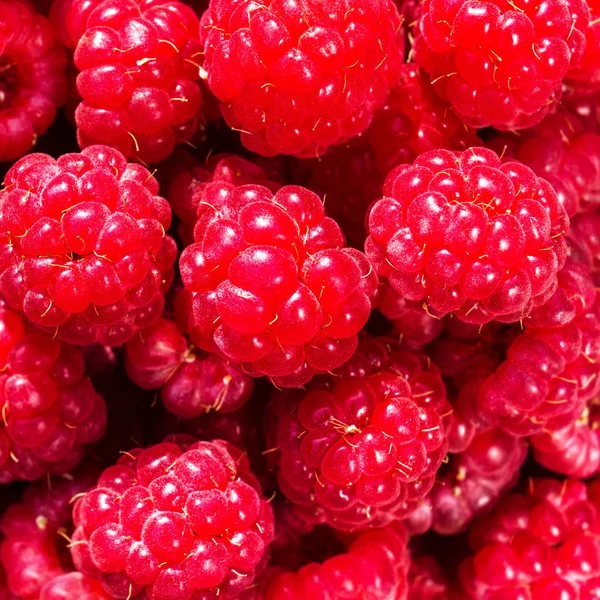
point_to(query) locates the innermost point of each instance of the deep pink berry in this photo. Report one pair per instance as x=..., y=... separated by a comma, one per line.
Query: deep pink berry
x=32, y=79
x=462, y=233
x=50, y=410
x=586, y=73
x=83, y=248
x=74, y=585
x=427, y=579
x=296, y=78
x=175, y=521
x=500, y=64
x=270, y=284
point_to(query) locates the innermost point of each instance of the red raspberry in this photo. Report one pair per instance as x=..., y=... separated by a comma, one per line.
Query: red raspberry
x=192, y=383
x=564, y=151
x=296, y=78
x=273, y=286
x=584, y=241
x=587, y=72
x=74, y=585
x=500, y=64
x=540, y=545
x=363, y=448
x=83, y=249
x=138, y=73
x=50, y=410
x=426, y=579
x=176, y=522
x=374, y=566
x=462, y=233
x=32, y=79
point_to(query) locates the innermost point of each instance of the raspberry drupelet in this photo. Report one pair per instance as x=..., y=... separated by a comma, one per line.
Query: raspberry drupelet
x=462, y=233
x=363, y=448
x=375, y=566
x=270, y=284
x=50, y=410
x=33, y=83
x=139, y=73
x=298, y=77
x=538, y=545
x=83, y=249
x=174, y=522
x=500, y=64
x=192, y=383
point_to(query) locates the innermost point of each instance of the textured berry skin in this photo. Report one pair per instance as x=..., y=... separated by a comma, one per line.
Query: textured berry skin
x=32, y=79
x=540, y=545
x=74, y=585
x=138, y=73
x=587, y=72
x=175, y=521
x=427, y=580
x=296, y=78
x=461, y=233
x=363, y=448
x=584, y=240
x=272, y=285
x=192, y=383
x=375, y=566
x=50, y=410
x=83, y=249
x=566, y=152
x=500, y=64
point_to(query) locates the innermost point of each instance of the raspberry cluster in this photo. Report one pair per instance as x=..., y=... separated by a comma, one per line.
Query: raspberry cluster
x=83, y=246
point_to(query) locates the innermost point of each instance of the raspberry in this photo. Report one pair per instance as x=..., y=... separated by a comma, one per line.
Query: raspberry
x=273, y=286
x=461, y=233
x=174, y=522
x=584, y=241
x=50, y=410
x=374, y=566
x=5, y=593
x=500, y=64
x=297, y=78
x=73, y=585
x=538, y=545
x=363, y=448
x=587, y=72
x=83, y=247
x=32, y=79
x=192, y=383
x=426, y=579
x=138, y=74
x=563, y=151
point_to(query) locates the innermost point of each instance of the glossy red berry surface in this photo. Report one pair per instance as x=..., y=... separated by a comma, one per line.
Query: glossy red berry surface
x=296, y=78
x=32, y=79
x=175, y=521
x=461, y=233
x=271, y=285
x=50, y=410
x=586, y=73
x=500, y=64
x=83, y=248
x=74, y=585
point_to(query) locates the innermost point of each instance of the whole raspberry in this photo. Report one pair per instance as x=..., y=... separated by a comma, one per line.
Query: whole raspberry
x=174, y=522
x=32, y=79
x=586, y=73
x=461, y=233
x=138, y=75
x=298, y=77
x=564, y=151
x=500, y=64
x=192, y=383
x=50, y=410
x=543, y=544
x=375, y=566
x=363, y=448
x=83, y=249
x=273, y=286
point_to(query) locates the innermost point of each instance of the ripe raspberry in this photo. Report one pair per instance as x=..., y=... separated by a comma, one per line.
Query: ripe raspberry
x=564, y=151
x=138, y=73
x=586, y=73
x=500, y=64
x=363, y=448
x=192, y=383
x=273, y=286
x=296, y=78
x=83, y=250
x=540, y=545
x=374, y=566
x=32, y=79
x=462, y=233
x=174, y=522
x=584, y=242
x=74, y=585
x=50, y=410
x=426, y=579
